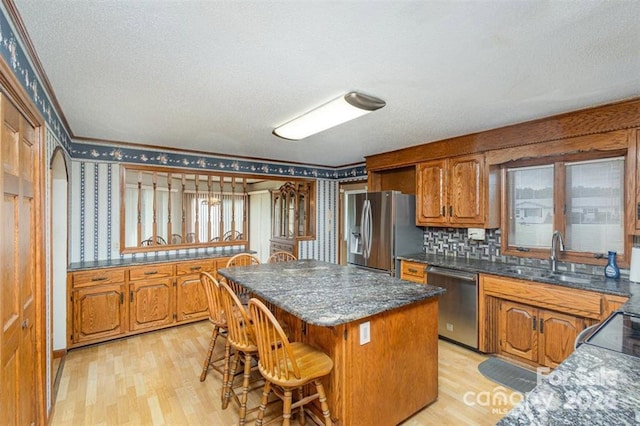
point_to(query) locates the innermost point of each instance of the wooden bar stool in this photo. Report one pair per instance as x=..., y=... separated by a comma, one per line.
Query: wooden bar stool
x=287, y=366
x=217, y=318
x=240, y=337
x=241, y=259
x=281, y=256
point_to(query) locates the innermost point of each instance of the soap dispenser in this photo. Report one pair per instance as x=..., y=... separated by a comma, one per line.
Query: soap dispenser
x=612, y=270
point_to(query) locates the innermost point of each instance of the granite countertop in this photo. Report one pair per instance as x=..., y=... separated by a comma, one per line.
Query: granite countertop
x=327, y=294
x=142, y=259
x=620, y=287
x=594, y=386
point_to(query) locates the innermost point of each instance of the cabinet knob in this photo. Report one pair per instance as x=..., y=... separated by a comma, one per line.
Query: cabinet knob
x=25, y=323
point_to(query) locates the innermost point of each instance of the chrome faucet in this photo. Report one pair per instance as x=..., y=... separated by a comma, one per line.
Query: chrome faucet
x=555, y=239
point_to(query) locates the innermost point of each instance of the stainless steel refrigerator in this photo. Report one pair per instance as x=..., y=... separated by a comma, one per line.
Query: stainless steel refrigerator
x=380, y=227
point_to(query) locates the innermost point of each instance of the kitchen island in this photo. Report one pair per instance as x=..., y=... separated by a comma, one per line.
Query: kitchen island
x=382, y=375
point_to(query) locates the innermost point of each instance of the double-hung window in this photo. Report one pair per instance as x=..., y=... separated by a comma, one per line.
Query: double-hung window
x=584, y=200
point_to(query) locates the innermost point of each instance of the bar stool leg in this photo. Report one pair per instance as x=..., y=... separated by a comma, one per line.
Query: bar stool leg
x=323, y=402
x=228, y=382
x=245, y=388
x=263, y=402
x=207, y=361
x=303, y=419
x=286, y=408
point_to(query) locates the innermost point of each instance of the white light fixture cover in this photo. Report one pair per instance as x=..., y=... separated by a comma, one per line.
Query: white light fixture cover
x=337, y=111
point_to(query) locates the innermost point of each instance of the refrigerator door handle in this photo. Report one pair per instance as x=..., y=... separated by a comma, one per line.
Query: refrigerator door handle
x=363, y=230
x=369, y=228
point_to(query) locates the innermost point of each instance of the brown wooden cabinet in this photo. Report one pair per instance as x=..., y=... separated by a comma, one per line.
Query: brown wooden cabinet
x=413, y=271
x=457, y=192
x=98, y=309
x=191, y=299
x=538, y=335
x=293, y=216
x=536, y=322
x=109, y=303
x=151, y=303
x=99, y=312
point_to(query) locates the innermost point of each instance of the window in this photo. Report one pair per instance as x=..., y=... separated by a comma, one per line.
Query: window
x=530, y=209
x=584, y=200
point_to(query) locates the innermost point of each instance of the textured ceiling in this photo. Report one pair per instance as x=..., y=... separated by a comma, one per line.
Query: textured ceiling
x=218, y=76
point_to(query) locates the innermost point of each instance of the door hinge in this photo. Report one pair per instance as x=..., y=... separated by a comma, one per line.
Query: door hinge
x=121, y=298
x=131, y=296
x=175, y=283
x=345, y=334
x=175, y=317
x=541, y=326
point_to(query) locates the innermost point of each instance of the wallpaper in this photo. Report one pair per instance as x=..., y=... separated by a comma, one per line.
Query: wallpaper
x=94, y=222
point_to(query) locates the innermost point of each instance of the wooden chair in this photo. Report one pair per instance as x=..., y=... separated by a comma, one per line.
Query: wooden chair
x=242, y=259
x=218, y=319
x=287, y=366
x=281, y=256
x=151, y=242
x=241, y=338
x=232, y=235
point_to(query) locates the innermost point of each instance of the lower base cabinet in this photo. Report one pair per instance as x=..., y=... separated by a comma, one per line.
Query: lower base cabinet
x=98, y=312
x=151, y=304
x=108, y=303
x=536, y=323
x=538, y=335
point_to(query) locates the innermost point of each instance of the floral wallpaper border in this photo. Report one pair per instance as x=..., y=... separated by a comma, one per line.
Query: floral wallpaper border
x=14, y=55
x=206, y=162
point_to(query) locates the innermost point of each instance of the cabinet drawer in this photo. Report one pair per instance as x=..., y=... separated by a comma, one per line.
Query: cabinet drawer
x=150, y=271
x=184, y=268
x=97, y=276
x=582, y=303
x=412, y=271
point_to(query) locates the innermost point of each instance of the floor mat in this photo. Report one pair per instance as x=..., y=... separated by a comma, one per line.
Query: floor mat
x=507, y=374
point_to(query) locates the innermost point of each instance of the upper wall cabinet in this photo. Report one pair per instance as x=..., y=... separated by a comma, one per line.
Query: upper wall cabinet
x=457, y=192
x=169, y=208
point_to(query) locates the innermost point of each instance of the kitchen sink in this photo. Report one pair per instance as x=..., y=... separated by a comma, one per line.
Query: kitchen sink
x=570, y=278
x=567, y=277
x=528, y=271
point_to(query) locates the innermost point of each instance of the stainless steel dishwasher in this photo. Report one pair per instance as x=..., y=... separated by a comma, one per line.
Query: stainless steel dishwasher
x=458, y=307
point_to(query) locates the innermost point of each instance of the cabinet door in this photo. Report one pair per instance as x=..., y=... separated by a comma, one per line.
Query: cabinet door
x=191, y=299
x=431, y=197
x=466, y=190
x=556, y=336
x=151, y=303
x=99, y=312
x=517, y=326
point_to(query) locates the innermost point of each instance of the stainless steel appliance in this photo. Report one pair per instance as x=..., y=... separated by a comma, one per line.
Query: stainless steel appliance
x=620, y=333
x=458, y=307
x=380, y=227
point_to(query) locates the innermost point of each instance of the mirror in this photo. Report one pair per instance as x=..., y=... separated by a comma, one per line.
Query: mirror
x=177, y=208
x=167, y=209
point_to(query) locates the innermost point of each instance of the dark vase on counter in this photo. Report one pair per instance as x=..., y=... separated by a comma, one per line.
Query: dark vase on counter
x=612, y=270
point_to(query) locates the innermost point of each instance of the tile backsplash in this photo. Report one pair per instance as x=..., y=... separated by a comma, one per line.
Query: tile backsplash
x=456, y=243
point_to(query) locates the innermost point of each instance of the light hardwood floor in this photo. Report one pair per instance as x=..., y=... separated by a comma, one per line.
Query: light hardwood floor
x=154, y=379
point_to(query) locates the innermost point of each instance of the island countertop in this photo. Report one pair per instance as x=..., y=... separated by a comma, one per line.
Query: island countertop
x=327, y=294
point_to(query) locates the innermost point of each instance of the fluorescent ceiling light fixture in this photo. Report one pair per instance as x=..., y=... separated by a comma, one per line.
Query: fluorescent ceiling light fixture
x=331, y=114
